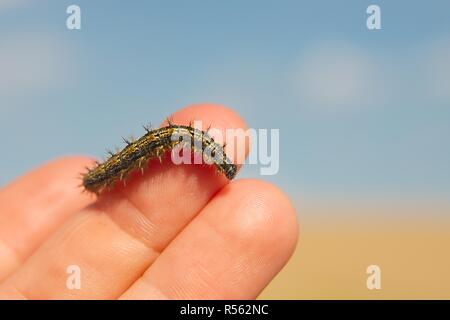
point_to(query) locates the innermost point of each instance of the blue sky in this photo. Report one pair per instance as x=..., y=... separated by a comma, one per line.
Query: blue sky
x=361, y=113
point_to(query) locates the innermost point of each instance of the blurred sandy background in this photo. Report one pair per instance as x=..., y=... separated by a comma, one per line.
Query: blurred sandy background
x=338, y=241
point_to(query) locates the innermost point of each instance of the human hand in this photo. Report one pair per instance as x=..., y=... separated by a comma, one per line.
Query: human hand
x=176, y=232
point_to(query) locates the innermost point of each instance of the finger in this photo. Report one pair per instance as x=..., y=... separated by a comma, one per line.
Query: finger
x=231, y=250
x=117, y=239
x=35, y=204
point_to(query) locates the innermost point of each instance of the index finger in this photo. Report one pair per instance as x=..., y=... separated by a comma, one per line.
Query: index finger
x=34, y=205
x=124, y=232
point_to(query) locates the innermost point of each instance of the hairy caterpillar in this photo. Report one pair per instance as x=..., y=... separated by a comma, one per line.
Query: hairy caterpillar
x=153, y=145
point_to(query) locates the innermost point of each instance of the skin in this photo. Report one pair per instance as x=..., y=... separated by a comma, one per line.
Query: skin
x=174, y=232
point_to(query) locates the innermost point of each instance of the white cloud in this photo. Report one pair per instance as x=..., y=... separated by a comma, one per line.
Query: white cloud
x=437, y=70
x=335, y=75
x=9, y=4
x=30, y=63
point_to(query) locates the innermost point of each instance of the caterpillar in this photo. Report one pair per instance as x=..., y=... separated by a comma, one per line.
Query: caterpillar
x=154, y=144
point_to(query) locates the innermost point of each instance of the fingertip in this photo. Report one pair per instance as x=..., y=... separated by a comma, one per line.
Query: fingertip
x=232, y=249
x=70, y=163
x=215, y=114
x=228, y=127
x=61, y=169
x=40, y=200
x=266, y=213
